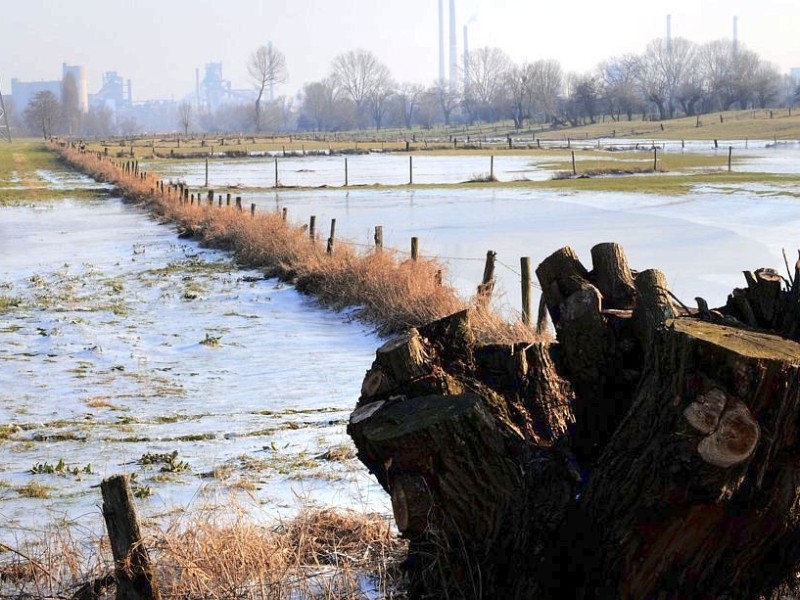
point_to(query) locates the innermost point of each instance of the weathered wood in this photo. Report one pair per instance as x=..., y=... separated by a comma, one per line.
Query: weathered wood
x=135, y=577
x=612, y=276
x=487, y=282
x=653, y=307
x=560, y=275
x=696, y=488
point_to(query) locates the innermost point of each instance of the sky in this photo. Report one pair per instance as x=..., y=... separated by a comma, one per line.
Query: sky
x=159, y=43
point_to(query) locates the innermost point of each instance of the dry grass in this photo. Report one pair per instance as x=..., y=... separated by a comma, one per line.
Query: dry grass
x=223, y=554
x=389, y=290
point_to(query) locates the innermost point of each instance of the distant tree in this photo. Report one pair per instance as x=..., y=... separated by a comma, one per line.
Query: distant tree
x=428, y=108
x=99, y=122
x=447, y=98
x=43, y=112
x=185, y=116
x=661, y=71
x=547, y=83
x=407, y=96
x=267, y=67
x=318, y=98
x=484, y=81
x=617, y=86
x=364, y=79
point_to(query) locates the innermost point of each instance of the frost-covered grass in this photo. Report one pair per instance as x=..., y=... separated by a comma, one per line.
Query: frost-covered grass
x=389, y=290
x=28, y=169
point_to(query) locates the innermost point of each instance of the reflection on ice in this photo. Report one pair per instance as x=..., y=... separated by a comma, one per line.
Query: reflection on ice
x=104, y=361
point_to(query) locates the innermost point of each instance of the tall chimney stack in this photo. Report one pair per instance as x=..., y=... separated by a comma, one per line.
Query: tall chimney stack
x=466, y=61
x=669, y=32
x=441, y=42
x=453, y=49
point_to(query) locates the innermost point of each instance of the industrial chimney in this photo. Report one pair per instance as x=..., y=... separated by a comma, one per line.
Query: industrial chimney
x=441, y=42
x=453, y=49
x=466, y=61
x=669, y=32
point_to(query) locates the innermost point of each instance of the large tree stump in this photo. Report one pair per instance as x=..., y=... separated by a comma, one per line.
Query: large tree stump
x=696, y=495
x=647, y=453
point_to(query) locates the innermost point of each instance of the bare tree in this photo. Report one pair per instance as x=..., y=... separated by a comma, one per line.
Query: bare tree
x=547, y=83
x=408, y=95
x=447, y=99
x=518, y=84
x=484, y=81
x=42, y=113
x=318, y=103
x=661, y=71
x=617, y=83
x=267, y=67
x=361, y=76
x=185, y=116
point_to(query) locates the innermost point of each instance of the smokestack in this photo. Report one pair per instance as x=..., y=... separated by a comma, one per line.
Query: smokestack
x=735, y=34
x=197, y=85
x=669, y=32
x=453, y=48
x=466, y=61
x=441, y=42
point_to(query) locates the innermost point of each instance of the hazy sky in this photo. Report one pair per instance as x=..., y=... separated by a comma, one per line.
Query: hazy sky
x=159, y=43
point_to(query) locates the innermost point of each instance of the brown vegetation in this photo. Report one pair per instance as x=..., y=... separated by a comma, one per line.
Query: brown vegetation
x=390, y=291
x=223, y=554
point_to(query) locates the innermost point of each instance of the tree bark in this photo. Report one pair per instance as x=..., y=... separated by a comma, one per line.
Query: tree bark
x=643, y=454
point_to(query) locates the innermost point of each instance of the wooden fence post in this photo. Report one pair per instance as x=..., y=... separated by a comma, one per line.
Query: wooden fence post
x=276, y=172
x=134, y=575
x=574, y=169
x=655, y=159
x=227, y=199
x=239, y=202
x=491, y=168
x=414, y=248
x=410, y=170
x=525, y=266
x=345, y=172
x=487, y=283
x=730, y=154
x=332, y=237
x=378, y=238
x=252, y=209
x=206, y=173
x=312, y=225
x=285, y=214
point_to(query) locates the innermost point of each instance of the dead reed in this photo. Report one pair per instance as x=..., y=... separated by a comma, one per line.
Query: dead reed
x=223, y=554
x=387, y=288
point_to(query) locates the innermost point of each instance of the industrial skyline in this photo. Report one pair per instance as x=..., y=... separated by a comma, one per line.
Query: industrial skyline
x=409, y=36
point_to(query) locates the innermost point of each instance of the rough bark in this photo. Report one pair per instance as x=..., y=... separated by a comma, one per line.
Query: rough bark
x=698, y=487
x=644, y=453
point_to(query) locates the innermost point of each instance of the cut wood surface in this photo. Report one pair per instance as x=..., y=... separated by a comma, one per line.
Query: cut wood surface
x=650, y=451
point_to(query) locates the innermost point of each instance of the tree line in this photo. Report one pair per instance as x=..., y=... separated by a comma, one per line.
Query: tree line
x=671, y=77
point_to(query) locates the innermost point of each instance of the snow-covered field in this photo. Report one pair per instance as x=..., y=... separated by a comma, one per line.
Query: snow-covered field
x=120, y=344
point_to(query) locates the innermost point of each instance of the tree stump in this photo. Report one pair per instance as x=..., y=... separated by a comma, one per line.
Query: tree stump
x=646, y=453
x=695, y=495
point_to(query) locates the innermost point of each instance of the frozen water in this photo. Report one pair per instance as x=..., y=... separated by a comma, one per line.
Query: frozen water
x=126, y=343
